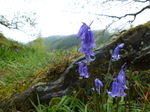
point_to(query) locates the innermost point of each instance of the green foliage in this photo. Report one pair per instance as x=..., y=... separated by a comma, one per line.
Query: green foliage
x=72, y=103
x=69, y=103
x=17, y=66
x=38, y=44
x=64, y=104
x=22, y=66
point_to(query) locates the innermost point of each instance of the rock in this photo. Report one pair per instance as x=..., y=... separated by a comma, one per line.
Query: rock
x=135, y=53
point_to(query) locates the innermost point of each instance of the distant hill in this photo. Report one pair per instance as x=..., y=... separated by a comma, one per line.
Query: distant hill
x=60, y=41
x=65, y=42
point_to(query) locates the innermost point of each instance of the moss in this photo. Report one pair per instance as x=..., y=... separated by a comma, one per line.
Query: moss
x=132, y=30
x=22, y=103
x=147, y=25
x=25, y=105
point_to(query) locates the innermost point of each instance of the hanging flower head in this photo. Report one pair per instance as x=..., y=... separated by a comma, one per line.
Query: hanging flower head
x=80, y=68
x=98, y=83
x=86, y=74
x=121, y=78
x=117, y=90
x=116, y=55
x=87, y=41
x=82, y=30
x=83, y=70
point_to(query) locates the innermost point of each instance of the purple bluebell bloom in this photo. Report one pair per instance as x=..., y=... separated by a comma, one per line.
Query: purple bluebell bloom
x=117, y=90
x=83, y=70
x=88, y=39
x=86, y=50
x=80, y=68
x=17, y=49
x=122, y=77
x=88, y=53
x=86, y=74
x=88, y=58
x=97, y=84
x=82, y=30
x=87, y=42
x=116, y=55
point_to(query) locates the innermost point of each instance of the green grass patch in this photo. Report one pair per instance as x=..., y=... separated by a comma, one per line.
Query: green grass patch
x=22, y=66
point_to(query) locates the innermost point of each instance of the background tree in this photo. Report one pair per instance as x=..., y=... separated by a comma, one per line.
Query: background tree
x=19, y=21
x=38, y=43
x=120, y=14
x=18, y=18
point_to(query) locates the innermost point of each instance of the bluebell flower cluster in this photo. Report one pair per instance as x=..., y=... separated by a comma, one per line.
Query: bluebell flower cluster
x=87, y=45
x=83, y=70
x=119, y=83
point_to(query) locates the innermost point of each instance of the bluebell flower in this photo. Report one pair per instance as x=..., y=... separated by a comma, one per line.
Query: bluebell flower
x=82, y=30
x=83, y=70
x=87, y=42
x=80, y=68
x=121, y=78
x=117, y=90
x=98, y=83
x=116, y=55
x=88, y=53
x=86, y=74
x=88, y=39
x=88, y=58
x=17, y=49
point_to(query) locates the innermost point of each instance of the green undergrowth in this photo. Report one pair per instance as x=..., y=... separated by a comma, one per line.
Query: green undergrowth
x=22, y=66
x=81, y=101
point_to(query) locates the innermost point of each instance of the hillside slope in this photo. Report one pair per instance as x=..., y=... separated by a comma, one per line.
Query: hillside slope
x=66, y=42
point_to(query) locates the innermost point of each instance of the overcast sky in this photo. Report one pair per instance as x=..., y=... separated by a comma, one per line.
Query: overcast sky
x=63, y=17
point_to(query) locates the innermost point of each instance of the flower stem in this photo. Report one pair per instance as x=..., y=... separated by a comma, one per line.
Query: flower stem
x=129, y=100
x=96, y=101
x=91, y=23
x=125, y=105
x=95, y=96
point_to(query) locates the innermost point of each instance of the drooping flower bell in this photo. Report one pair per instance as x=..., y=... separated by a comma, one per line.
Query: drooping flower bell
x=80, y=68
x=116, y=55
x=86, y=74
x=82, y=30
x=87, y=41
x=83, y=70
x=88, y=53
x=117, y=90
x=98, y=83
x=121, y=78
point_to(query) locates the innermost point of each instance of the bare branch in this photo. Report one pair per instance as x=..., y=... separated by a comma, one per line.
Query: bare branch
x=142, y=1
x=132, y=14
x=8, y=25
